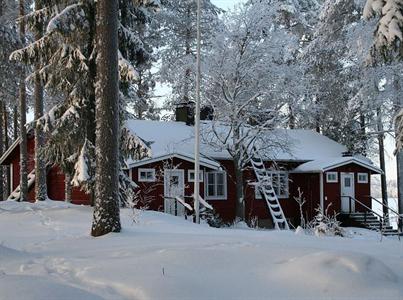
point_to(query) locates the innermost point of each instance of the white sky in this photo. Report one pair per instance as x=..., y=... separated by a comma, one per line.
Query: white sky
x=225, y=4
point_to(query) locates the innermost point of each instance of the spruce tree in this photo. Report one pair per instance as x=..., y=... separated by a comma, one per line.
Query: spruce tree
x=40, y=165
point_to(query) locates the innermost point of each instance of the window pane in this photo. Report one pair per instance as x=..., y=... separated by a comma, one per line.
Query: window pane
x=283, y=185
x=220, y=178
x=275, y=181
x=191, y=175
x=347, y=182
x=211, y=178
x=220, y=190
x=210, y=190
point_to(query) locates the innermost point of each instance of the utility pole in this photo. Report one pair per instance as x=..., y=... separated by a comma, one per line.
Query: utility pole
x=197, y=120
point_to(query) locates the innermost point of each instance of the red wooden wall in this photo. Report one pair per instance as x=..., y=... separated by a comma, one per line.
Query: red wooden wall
x=362, y=190
x=55, y=178
x=151, y=193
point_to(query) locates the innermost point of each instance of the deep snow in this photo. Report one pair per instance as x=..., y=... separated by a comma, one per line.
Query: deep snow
x=46, y=253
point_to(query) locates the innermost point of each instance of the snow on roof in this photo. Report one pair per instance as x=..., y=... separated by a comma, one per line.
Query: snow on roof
x=176, y=137
x=323, y=165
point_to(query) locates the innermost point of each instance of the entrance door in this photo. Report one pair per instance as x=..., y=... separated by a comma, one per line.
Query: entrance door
x=174, y=186
x=347, y=190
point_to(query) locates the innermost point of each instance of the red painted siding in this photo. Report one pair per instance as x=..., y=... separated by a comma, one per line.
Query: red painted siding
x=151, y=194
x=362, y=190
x=55, y=178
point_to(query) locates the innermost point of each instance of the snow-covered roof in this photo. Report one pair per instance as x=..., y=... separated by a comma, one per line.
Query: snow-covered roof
x=323, y=165
x=168, y=138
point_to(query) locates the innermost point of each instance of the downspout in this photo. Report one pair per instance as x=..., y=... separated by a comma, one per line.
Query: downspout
x=321, y=192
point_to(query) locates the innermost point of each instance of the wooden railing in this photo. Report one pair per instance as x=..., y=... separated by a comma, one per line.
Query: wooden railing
x=182, y=202
x=387, y=216
x=367, y=209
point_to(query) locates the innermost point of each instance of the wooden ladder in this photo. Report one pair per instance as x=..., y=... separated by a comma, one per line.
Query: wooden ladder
x=16, y=194
x=265, y=185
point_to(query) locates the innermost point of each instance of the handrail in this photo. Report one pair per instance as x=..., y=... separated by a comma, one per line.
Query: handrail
x=383, y=204
x=362, y=204
x=180, y=201
x=381, y=218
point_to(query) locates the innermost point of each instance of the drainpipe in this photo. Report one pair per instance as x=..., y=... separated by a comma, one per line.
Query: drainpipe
x=322, y=203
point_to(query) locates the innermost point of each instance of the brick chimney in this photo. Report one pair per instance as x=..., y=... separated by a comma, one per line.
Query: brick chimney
x=184, y=112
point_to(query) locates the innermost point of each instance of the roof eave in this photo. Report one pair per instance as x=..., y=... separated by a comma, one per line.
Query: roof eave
x=9, y=150
x=212, y=164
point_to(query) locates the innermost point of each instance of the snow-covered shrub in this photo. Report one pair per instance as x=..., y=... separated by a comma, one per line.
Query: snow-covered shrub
x=301, y=201
x=211, y=217
x=324, y=224
x=254, y=222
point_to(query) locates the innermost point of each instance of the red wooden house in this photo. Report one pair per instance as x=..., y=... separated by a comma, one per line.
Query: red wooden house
x=319, y=166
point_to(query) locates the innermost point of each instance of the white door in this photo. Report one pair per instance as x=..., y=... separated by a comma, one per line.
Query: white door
x=347, y=190
x=174, y=186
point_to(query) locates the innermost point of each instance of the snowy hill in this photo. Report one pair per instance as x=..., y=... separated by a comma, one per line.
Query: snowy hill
x=46, y=253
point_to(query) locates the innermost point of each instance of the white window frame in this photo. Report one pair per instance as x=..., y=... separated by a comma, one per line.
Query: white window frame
x=215, y=197
x=146, y=179
x=258, y=195
x=362, y=181
x=201, y=177
x=328, y=180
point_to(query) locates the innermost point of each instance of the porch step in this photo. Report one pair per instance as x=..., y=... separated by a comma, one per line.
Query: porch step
x=370, y=221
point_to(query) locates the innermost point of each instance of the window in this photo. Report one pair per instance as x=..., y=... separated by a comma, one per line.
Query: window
x=331, y=177
x=362, y=178
x=191, y=176
x=216, y=187
x=280, y=185
x=146, y=175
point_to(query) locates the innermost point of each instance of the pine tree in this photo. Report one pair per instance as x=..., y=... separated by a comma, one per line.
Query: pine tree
x=389, y=32
x=67, y=54
x=9, y=41
x=388, y=38
x=23, y=109
x=40, y=165
x=106, y=210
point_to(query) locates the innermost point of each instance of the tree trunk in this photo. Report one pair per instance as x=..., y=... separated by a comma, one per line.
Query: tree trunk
x=291, y=119
x=2, y=129
x=67, y=187
x=381, y=138
x=6, y=145
x=240, y=201
x=106, y=210
x=23, y=120
x=90, y=118
x=399, y=154
x=40, y=165
x=188, y=52
x=15, y=122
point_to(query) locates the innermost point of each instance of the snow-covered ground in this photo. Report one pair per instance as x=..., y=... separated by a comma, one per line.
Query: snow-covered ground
x=46, y=253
